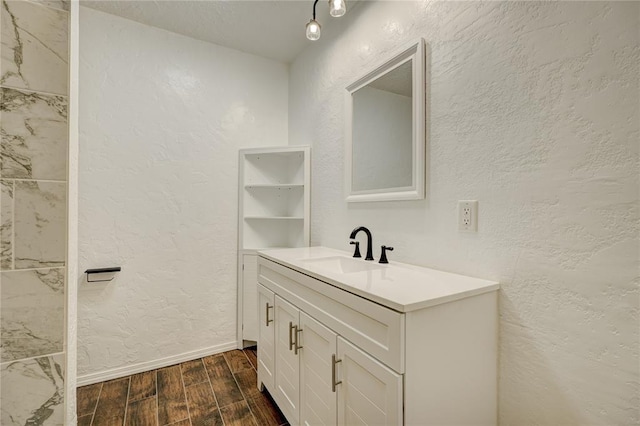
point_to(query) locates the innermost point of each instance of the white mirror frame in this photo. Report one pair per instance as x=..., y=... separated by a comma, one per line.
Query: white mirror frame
x=414, y=52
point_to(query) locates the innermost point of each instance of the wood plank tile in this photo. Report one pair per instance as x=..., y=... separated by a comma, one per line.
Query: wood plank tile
x=143, y=385
x=182, y=391
x=216, y=366
x=85, y=420
x=185, y=422
x=112, y=402
x=248, y=382
x=237, y=360
x=222, y=381
x=265, y=410
x=193, y=372
x=237, y=414
x=226, y=390
x=172, y=404
x=142, y=412
x=202, y=405
x=252, y=355
x=87, y=398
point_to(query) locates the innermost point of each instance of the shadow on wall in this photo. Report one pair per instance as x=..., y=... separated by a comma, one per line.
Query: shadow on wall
x=519, y=360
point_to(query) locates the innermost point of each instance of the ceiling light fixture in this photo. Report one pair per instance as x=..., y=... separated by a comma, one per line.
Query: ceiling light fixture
x=337, y=8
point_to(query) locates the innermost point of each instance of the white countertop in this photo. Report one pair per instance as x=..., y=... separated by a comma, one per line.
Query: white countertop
x=396, y=285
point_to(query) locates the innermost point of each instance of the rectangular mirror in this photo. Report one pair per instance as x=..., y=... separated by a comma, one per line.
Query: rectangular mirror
x=385, y=130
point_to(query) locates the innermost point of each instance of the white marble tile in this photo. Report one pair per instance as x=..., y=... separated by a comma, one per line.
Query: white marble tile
x=34, y=135
x=57, y=4
x=35, y=48
x=39, y=224
x=32, y=392
x=31, y=313
x=6, y=225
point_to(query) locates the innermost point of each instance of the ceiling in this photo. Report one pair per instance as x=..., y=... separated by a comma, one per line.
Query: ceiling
x=271, y=28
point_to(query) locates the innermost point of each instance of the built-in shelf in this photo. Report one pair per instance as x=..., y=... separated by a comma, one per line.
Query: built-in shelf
x=274, y=185
x=255, y=250
x=274, y=199
x=274, y=217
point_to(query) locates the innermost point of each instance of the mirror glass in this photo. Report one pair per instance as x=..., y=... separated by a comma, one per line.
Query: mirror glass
x=385, y=141
x=382, y=139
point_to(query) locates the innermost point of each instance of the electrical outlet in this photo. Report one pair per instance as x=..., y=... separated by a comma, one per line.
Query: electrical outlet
x=468, y=216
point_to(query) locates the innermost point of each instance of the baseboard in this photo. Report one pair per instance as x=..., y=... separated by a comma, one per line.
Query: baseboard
x=128, y=370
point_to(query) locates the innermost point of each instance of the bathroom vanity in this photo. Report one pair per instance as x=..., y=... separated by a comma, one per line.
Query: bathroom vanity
x=347, y=341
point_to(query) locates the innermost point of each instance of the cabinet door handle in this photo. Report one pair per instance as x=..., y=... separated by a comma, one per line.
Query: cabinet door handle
x=296, y=348
x=334, y=361
x=291, y=343
x=266, y=311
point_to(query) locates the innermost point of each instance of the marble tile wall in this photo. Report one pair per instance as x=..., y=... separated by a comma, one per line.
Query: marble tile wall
x=32, y=391
x=35, y=47
x=34, y=135
x=33, y=204
x=33, y=306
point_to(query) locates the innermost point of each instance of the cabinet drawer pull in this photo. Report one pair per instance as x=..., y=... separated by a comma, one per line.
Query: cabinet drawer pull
x=266, y=311
x=291, y=343
x=334, y=361
x=296, y=348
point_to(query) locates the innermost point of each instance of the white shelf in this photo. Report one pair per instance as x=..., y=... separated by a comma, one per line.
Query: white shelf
x=254, y=250
x=274, y=185
x=274, y=201
x=274, y=197
x=273, y=210
x=274, y=217
x=275, y=167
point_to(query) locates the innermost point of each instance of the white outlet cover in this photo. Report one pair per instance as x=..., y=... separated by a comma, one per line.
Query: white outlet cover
x=468, y=215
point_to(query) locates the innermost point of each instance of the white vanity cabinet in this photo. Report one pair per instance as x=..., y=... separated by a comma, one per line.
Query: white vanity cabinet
x=318, y=400
x=369, y=392
x=266, y=336
x=305, y=385
x=287, y=375
x=333, y=355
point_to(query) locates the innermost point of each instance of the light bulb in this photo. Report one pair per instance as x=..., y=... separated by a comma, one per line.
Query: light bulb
x=313, y=30
x=337, y=8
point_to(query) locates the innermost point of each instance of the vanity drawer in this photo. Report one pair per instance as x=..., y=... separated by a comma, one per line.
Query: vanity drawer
x=374, y=328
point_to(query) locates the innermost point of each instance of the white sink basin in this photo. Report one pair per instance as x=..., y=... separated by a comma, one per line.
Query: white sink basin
x=342, y=264
x=396, y=285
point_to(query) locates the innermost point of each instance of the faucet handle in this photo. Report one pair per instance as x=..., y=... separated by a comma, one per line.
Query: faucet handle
x=357, y=252
x=383, y=256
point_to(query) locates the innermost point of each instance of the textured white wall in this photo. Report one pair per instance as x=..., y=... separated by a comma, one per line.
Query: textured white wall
x=161, y=120
x=533, y=112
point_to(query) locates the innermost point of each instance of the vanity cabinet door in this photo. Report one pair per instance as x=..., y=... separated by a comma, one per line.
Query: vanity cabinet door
x=249, y=296
x=266, y=337
x=317, y=397
x=286, y=392
x=369, y=393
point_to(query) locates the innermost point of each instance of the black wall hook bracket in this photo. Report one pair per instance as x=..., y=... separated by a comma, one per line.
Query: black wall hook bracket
x=99, y=275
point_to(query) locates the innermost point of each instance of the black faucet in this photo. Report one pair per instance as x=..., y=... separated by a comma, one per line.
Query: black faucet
x=369, y=242
x=357, y=252
x=383, y=256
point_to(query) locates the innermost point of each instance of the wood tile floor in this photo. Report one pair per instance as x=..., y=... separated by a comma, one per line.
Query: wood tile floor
x=215, y=390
